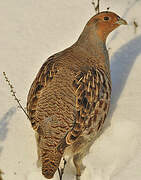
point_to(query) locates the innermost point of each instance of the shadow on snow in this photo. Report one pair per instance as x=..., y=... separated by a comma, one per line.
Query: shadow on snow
x=121, y=64
x=4, y=121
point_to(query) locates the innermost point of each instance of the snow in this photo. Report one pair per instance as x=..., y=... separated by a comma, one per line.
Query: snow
x=31, y=31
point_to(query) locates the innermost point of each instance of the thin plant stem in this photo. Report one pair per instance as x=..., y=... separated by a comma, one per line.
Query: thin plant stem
x=96, y=7
x=61, y=170
x=14, y=94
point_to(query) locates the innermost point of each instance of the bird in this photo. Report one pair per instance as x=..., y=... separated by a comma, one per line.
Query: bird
x=69, y=99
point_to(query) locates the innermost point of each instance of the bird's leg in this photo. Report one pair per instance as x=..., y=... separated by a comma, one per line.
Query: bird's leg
x=77, y=159
x=38, y=149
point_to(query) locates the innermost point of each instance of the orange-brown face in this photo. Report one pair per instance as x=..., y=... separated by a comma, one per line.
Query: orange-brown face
x=105, y=22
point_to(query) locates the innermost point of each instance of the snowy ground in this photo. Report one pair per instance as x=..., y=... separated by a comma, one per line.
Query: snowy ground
x=30, y=31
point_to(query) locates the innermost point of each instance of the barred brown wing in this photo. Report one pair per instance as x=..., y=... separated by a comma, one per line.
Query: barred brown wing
x=44, y=76
x=93, y=92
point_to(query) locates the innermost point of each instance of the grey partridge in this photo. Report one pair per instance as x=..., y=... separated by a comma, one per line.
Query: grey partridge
x=70, y=97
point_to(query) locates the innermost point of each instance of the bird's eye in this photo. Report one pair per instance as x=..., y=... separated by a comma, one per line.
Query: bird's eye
x=106, y=18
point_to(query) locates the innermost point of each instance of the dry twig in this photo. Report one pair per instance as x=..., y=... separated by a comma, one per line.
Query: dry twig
x=14, y=94
x=135, y=26
x=61, y=170
x=96, y=7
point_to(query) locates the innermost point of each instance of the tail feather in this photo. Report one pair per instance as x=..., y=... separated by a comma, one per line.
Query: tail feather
x=50, y=161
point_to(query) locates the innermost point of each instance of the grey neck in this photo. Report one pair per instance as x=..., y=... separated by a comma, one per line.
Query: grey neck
x=90, y=42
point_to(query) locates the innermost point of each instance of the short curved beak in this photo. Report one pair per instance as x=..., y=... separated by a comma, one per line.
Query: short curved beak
x=121, y=21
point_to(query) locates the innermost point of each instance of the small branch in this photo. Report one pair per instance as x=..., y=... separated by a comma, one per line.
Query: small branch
x=135, y=26
x=14, y=94
x=96, y=7
x=61, y=170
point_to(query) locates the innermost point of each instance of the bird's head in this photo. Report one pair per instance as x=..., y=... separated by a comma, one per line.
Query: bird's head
x=104, y=23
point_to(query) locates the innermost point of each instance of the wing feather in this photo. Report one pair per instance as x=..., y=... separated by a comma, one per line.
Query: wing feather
x=44, y=76
x=93, y=91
